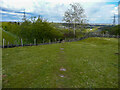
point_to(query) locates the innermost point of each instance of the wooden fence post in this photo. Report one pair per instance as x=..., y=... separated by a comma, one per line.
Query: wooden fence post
x=17, y=44
x=65, y=39
x=21, y=42
x=117, y=36
x=43, y=40
x=8, y=44
x=3, y=42
x=103, y=34
x=55, y=40
x=59, y=40
x=34, y=41
x=49, y=42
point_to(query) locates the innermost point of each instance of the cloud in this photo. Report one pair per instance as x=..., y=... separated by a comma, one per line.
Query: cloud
x=101, y=12
x=53, y=10
x=18, y=4
x=13, y=14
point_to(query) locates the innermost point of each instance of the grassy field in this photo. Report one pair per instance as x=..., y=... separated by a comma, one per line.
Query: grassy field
x=92, y=30
x=90, y=63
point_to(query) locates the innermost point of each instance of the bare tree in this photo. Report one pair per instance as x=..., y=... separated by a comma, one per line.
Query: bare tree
x=75, y=15
x=68, y=17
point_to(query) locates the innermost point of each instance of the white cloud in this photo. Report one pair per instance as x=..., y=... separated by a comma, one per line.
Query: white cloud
x=54, y=9
x=103, y=13
x=12, y=13
x=18, y=4
x=30, y=4
x=115, y=10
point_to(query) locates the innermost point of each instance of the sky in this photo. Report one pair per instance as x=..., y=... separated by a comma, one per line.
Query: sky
x=97, y=11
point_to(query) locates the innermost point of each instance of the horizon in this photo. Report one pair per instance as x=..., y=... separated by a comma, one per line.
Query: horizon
x=66, y=22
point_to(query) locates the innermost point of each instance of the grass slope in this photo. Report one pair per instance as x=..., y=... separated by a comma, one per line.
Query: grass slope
x=9, y=37
x=90, y=63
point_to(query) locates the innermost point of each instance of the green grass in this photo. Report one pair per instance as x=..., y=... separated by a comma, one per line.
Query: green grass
x=9, y=37
x=0, y=36
x=90, y=63
x=93, y=30
x=0, y=58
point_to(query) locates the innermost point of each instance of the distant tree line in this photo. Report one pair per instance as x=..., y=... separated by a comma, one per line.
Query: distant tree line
x=114, y=30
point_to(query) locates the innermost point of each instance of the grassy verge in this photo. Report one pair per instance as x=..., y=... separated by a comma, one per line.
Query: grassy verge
x=90, y=63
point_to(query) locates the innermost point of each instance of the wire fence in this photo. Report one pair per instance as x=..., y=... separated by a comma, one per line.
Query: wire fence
x=7, y=45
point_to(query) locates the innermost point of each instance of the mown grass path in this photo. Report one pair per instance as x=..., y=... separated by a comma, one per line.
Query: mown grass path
x=90, y=63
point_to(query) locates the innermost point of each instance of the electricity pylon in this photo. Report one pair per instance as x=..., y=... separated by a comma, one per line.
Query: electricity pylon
x=24, y=16
x=114, y=20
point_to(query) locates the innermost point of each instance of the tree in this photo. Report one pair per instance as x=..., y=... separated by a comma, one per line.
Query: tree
x=74, y=15
x=68, y=17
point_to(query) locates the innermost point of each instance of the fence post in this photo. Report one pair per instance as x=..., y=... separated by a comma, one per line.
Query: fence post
x=43, y=40
x=59, y=40
x=17, y=43
x=55, y=40
x=8, y=44
x=103, y=34
x=34, y=41
x=21, y=42
x=117, y=36
x=3, y=42
x=49, y=42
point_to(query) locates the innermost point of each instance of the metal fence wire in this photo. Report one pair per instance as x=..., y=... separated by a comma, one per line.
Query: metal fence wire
x=8, y=45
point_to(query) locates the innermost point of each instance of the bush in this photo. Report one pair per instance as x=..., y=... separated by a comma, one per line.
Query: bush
x=111, y=30
x=33, y=29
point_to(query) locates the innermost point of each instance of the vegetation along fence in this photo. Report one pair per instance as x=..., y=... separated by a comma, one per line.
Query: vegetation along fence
x=7, y=45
